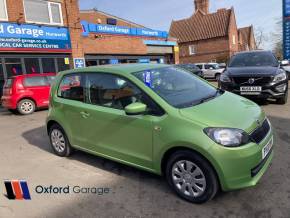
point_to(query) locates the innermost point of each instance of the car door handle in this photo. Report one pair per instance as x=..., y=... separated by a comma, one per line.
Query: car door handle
x=85, y=114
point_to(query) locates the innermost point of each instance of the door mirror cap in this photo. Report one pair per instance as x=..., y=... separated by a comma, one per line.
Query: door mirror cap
x=136, y=109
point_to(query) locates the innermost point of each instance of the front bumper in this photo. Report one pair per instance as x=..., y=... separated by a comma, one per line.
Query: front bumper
x=244, y=166
x=269, y=90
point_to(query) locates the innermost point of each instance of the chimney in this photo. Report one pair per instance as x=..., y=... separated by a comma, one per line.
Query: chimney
x=202, y=5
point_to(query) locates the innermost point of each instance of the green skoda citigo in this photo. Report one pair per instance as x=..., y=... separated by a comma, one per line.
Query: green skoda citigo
x=164, y=120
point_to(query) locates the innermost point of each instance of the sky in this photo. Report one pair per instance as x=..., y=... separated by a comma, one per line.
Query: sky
x=158, y=14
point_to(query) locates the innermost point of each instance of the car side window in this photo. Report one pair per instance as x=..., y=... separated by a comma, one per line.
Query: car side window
x=35, y=81
x=207, y=66
x=199, y=66
x=50, y=79
x=71, y=87
x=115, y=92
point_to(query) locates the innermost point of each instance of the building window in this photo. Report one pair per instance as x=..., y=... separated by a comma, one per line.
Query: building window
x=234, y=39
x=192, y=50
x=39, y=11
x=3, y=10
x=62, y=65
x=32, y=65
x=48, y=65
x=13, y=67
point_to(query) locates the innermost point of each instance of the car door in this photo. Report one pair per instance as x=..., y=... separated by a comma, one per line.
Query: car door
x=108, y=130
x=70, y=104
x=37, y=88
x=208, y=71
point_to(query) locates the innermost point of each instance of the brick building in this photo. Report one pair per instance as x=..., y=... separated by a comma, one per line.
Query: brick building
x=38, y=36
x=109, y=39
x=210, y=37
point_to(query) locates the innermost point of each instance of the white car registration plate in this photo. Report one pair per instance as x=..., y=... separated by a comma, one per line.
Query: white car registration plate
x=251, y=90
x=267, y=149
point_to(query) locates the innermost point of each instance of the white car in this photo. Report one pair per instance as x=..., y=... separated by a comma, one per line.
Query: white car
x=210, y=70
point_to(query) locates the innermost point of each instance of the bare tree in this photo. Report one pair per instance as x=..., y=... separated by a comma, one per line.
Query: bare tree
x=260, y=37
x=277, y=39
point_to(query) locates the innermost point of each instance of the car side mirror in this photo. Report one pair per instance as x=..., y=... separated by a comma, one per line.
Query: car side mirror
x=136, y=109
x=211, y=68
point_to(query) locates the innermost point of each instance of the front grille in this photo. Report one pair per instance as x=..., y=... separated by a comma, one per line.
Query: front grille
x=259, y=81
x=260, y=133
x=258, y=168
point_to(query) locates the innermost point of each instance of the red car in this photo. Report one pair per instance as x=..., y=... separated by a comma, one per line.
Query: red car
x=26, y=93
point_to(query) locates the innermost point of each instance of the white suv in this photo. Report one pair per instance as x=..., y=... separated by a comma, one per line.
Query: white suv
x=210, y=70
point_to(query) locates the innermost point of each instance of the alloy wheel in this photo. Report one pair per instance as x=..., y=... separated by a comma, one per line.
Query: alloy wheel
x=188, y=178
x=58, y=140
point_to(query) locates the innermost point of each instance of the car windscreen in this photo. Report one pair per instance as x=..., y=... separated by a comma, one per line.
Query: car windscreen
x=256, y=59
x=177, y=87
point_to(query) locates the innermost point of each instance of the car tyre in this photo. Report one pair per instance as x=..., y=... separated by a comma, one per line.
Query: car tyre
x=217, y=77
x=59, y=141
x=191, y=177
x=26, y=107
x=283, y=100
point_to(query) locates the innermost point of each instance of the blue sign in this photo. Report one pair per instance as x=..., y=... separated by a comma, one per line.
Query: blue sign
x=286, y=29
x=144, y=61
x=28, y=37
x=120, y=30
x=286, y=8
x=79, y=62
x=114, y=61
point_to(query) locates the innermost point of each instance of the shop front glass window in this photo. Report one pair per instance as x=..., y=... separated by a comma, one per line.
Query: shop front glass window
x=62, y=65
x=31, y=65
x=13, y=67
x=48, y=65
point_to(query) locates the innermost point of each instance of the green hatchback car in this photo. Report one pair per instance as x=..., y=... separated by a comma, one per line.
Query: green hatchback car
x=164, y=120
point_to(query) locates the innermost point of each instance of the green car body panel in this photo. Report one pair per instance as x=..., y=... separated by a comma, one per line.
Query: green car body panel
x=143, y=141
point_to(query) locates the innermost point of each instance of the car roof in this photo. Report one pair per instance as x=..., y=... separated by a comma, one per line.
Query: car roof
x=254, y=51
x=117, y=68
x=34, y=75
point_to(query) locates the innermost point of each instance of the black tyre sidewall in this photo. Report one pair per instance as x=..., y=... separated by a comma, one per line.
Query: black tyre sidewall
x=284, y=99
x=67, y=151
x=21, y=102
x=210, y=176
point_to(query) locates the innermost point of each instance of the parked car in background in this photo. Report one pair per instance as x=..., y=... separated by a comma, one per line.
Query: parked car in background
x=164, y=120
x=223, y=65
x=210, y=70
x=286, y=66
x=256, y=74
x=26, y=93
x=192, y=68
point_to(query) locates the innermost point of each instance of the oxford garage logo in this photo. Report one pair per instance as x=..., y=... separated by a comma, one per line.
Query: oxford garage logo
x=17, y=190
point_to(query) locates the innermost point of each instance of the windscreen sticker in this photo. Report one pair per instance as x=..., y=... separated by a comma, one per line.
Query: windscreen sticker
x=148, y=79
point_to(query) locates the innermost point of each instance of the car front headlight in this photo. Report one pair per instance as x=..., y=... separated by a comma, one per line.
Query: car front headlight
x=225, y=78
x=228, y=137
x=280, y=77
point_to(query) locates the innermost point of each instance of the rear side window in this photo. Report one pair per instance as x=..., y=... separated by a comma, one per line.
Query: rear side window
x=50, y=79
x=71, y=87
x=35, y=81
x=8, y=83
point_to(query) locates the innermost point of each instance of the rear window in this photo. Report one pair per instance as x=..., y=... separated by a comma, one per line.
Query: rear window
x=35, y=81
x=8, y=83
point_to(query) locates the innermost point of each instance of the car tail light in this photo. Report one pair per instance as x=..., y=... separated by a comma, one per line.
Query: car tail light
x=19, y=87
